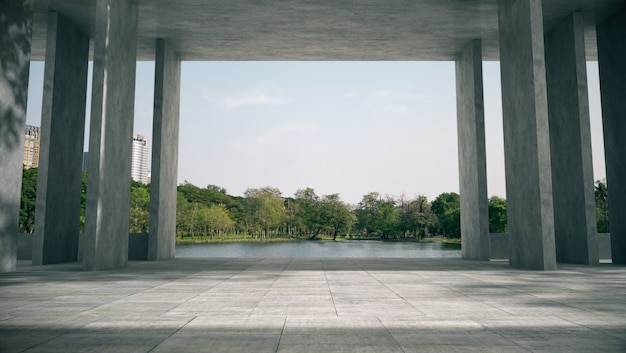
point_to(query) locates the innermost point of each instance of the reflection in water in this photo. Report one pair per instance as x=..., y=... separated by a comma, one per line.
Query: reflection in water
x=319, y=249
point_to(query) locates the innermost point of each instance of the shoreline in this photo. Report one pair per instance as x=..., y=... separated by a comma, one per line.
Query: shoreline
x=216, y=240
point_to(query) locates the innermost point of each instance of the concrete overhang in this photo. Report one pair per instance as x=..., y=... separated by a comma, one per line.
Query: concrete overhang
x=403, y=30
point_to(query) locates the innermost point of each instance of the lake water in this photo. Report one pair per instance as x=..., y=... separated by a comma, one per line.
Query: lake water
x=321, y=249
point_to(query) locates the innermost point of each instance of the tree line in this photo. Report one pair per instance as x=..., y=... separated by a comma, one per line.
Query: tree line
x=265, y=213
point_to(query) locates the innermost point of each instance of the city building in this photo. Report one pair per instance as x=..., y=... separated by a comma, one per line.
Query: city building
x=139, y=165
x=32, y=139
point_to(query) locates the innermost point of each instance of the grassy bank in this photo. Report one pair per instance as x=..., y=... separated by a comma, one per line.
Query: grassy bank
x=442, y=240
x=242, y=238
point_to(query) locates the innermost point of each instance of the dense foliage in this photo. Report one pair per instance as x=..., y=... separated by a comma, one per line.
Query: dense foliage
x=602, y=207
x=266, y=213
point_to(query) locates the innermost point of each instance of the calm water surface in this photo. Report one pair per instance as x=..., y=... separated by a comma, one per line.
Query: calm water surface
x=321, y=249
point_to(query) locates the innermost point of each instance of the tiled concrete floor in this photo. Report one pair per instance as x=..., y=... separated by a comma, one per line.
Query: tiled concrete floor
x=312, y=305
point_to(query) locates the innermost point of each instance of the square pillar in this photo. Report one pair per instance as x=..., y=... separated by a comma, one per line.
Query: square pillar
x=612, y=65
x=472, y=155
x=62, y=134
x=16, y=20
x=110, y=135
x=570, y=143
x=162, y=233
x=526, y=135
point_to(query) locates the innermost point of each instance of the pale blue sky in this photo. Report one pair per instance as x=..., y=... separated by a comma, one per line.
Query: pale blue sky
x=338, y=127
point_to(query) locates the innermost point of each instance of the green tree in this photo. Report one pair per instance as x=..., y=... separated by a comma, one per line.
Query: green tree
x=335, y=216
x=602, y=207
x=28, y=200
x=293, y=220
x=416, y=216
x=83, y=201
x=266, y=209
x=139, y=208
x=182, y=214
x=376, y=215
x=497, y=215
x=447, y=208
x=308, y=211
x=366, y=213
x=218, y=220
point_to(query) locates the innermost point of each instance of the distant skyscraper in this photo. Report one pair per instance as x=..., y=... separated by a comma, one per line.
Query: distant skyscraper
x=139, y=171
x=32, y=139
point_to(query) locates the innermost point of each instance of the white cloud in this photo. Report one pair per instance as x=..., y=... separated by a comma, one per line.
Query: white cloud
x=348, y=95
x=274, y=135
x=396, y=109
x=256, y=98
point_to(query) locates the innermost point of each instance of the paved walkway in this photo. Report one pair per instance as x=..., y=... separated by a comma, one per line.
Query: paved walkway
x=313, y=305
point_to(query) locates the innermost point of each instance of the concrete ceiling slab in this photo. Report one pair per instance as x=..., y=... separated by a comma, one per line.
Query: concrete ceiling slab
x=371, y=30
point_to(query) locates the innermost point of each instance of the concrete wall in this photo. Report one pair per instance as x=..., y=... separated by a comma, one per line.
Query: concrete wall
x=500, y=246
x=137, y=246
x=16, y=18
x=164, y=153
x=25, y=246
x=63, y=129
x=611, y=62
x=526, y=135
x=110, y=137
x=570, y=143
x=604, y=246
x=472, y=155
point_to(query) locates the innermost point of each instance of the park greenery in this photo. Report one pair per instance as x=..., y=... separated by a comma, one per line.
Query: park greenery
x=264, y=214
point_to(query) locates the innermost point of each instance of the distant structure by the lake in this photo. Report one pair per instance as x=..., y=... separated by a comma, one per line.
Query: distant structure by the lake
x=139, y=170
x=140, y=154
x=32, y=140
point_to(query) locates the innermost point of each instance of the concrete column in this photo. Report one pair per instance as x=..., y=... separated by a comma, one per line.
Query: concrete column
x=570, y=143
x=612, y=65
x=110, y=135
x=62, y=134
x=16, y=19
x=472, y=155
x=162, y=234
x=526, y=135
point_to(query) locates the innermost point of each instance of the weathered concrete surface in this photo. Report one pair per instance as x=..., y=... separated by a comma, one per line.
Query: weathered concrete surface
x=61, y=150
x=611, y=62
x=570, y=143
x=472, y=155
x=313, y=305
x=162, y=234
x=499, y=246
x=320, y=30
x=110, y=138
x=16, y=18
x=604, y=245
x=526, y=135
x=138, y=247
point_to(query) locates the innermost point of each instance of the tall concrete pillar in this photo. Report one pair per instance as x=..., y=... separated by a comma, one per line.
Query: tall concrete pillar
x=526, y=135
x=162, y=235
x=16, y=20
x=570, y=143
x=612, y=65
x=472, y=155
x=110, y=135
x=61, y=149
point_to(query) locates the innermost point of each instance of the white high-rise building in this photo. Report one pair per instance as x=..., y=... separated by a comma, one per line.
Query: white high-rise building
x=139, y=169
x=32, y=139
